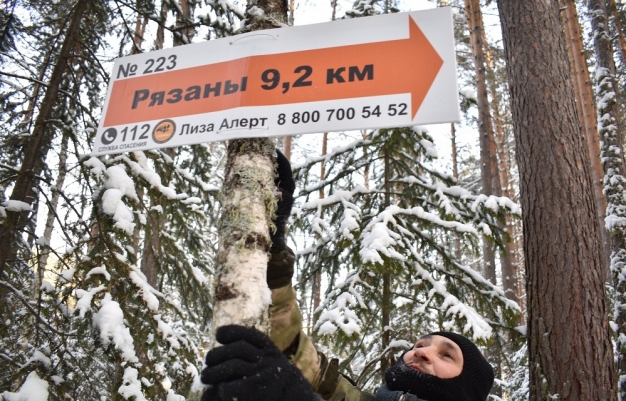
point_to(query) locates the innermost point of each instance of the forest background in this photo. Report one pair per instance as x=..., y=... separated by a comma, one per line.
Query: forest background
x=109, y=265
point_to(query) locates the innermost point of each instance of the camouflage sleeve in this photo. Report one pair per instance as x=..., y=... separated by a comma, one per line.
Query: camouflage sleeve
x=287, y=334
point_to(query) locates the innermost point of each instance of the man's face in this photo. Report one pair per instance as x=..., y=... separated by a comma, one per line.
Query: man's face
x=436, y=356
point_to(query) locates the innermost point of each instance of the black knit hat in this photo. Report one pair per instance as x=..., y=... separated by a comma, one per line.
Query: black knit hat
x=472, y=384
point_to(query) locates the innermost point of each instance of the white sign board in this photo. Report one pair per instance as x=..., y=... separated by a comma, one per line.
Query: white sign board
x=384, y=71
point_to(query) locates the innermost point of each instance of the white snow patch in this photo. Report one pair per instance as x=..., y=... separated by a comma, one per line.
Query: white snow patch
x=85, y=297
x=66, y=275
x=42, y=241
x=39, y=356
x=33, y=389
x=97, y=167
x=113, y=206
x=131, y=386
x=99, y=270
x=46, y=286
x=469, y=93
x=16, y=206
x=110, y=321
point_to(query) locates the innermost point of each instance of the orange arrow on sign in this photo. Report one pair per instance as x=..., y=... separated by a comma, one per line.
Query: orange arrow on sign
x=354, y=71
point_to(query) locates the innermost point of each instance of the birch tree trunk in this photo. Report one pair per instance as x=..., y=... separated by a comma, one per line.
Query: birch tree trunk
x=241, y=295
x=249, y=200
x=42, y=258
x=612, y=153
x=568, y=329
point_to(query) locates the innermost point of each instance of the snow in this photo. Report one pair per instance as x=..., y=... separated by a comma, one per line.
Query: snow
x=198, y=275
x=429, y=148
x=39, y=356
x=118, y=179
x=16, y=206
x=46, y=286
x=469, y=93
x=166, y=384
x=131, y=386
x=42, y=241
x=97, y=167
x=33, y=389
x=99, y=270
x=327, y=328
x=113, y=206
x=110, y=321
x=400, y=344
x=171, y=396
x=378, y=239
x=83, y=305
x=612, y=221
x=66, y=275
x=145, y=290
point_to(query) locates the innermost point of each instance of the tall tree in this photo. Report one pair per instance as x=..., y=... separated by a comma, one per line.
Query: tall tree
x=568, y=330
x=611, y=134
x=35, y=152
x=241, y=295
x=586, y=107
x=485, y=124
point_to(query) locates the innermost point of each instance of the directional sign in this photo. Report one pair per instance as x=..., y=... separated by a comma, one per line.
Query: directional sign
x=384, y=71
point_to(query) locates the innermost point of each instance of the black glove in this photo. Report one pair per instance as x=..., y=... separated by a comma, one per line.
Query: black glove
x=249, y=367
x=384, y=394
x=282, y=258
x=286, y=184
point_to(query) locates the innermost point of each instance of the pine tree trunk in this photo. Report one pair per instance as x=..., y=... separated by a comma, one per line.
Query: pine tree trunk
x=152, y=244
x=317, y=278
x=485, y=125
x=586, y=109
x=455, y=174
x=618, y=31
x=568, y=329
x=613, y=162
x=387, y=360
x=36, y=151
x=507, y=259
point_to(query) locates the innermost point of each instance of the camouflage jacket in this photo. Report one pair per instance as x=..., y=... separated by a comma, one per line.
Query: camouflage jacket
x=287, y=334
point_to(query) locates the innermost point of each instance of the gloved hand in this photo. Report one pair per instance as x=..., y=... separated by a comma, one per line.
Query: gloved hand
x=384, y=394
x=282, y=258
x=249, y=367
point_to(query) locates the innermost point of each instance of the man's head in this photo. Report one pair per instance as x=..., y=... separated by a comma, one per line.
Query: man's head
x=443, y=366
x=435, y=355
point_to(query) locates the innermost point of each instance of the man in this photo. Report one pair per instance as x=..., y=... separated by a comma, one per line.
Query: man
x=285, y=366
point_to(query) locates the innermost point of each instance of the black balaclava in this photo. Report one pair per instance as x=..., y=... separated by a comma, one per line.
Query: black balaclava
x=472, y=384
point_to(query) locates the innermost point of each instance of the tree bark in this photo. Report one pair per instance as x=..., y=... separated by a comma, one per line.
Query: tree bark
x=36, y=150
x=509, y=263
x=241, y=295
x=618, y=31
x=455, y=174
x=42, y=259
x=568, y=329
x=485, y=125
x=586, y=109
x=387, y=360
